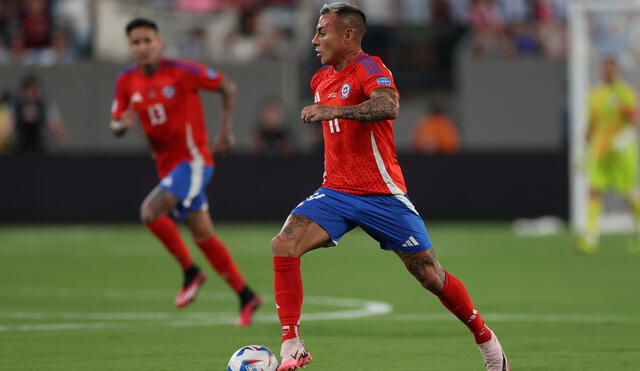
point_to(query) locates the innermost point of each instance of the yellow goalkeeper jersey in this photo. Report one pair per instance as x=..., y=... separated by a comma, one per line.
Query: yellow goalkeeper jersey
x=611, y=108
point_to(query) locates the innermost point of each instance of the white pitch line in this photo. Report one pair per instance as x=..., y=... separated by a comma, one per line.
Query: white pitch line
x=354, y=308
x=519, y=317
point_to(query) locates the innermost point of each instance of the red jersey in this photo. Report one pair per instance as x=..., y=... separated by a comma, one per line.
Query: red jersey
x=360, y=157
x=169, y=109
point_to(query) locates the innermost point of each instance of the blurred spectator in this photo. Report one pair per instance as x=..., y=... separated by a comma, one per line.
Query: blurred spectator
x=553, y=39
x=380, y=12
x=416, y=12
x=488, y=28
x=194, y=45
x=36, y=25
x=197, y=6
x=253, y=38
x=9, y=19
x=17, y=51
x=514, y=11
x=543, y=10
x=210, y=6
x=525, y=40
x=272, y=136
x=5, y=129
x=435, y=133
x=32, y=116
x=460, y=11
x=75, y=18
x=60, y=52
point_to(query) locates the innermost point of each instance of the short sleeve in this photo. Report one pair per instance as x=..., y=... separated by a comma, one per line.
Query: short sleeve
x=121, y=98
x=315, y=81
x=375, y=75
x=201, y=77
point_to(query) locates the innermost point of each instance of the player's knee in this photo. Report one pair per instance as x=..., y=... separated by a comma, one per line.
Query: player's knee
x=147, y=214
x=280, y=246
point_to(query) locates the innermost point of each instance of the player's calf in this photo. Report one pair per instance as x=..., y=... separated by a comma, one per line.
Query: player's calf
x=425, y=268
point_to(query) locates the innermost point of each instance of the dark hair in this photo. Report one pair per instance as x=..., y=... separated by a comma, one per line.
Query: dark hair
x=350, y=14
x=344, y=9
x=140, y=22
x=30, y=80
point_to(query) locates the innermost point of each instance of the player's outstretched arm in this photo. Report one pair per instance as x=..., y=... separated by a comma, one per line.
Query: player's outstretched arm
x=127, y=120
x=382, y=105
x=225, y=140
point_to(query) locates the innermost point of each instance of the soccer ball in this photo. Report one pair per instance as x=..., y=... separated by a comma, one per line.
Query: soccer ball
x=253, y=358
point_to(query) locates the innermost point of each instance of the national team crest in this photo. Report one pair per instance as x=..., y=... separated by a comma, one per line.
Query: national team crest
x=212, y=74
x=346, y=90
x=168, y=91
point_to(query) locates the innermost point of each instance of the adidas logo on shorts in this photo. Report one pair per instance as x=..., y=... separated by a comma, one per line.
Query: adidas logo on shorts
x=411, y=242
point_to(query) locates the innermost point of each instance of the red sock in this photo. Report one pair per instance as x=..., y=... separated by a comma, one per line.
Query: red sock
x=287, y=284
x=221, y=260
x=455, y=297
x=167, y=232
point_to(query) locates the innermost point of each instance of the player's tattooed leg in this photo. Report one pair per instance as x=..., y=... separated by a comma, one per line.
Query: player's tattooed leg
x=426, y=268
x=298, y=236
x=157, y=203
x=294, y=224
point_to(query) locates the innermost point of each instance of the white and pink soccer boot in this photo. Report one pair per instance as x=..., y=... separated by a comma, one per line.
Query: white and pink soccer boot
x=494, y=358
x=293, y=355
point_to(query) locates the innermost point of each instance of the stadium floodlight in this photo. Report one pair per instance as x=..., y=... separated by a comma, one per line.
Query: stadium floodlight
x=588, y=37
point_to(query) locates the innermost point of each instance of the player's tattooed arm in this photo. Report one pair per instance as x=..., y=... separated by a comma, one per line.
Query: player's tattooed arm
x=382, y=105
x=225, y=139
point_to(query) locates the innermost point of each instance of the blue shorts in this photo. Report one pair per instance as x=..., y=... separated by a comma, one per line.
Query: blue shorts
x=187, y=182
x=392, y=220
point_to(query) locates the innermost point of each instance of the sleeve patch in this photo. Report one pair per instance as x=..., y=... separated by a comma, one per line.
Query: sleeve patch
x=212, y=74
x=383, y=81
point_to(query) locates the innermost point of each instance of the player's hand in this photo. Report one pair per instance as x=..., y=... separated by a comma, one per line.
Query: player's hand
x=128, y=118
x=224, y=142
x=316, y=113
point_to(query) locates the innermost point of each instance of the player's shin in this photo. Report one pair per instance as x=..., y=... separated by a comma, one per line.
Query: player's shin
x=456, y=299
x=287, y=282
x=167, y=232
x=221, y=260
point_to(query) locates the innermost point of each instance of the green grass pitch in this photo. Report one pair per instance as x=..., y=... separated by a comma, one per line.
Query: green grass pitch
x=101, y=298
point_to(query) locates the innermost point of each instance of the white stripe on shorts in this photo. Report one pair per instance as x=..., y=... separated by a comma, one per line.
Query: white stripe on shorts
x=197, y=169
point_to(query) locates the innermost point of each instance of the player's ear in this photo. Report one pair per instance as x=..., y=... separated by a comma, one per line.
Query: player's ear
x=349, y=34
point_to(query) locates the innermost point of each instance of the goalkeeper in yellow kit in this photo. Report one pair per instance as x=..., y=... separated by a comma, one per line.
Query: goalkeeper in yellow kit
x=612, y=152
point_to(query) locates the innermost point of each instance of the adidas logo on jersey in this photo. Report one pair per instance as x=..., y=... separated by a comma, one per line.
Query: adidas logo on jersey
x=411, y=242
x=136, y=97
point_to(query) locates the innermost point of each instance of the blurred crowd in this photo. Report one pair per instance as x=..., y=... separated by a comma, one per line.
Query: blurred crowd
x=61, y=31
x=44, y=32
x=518, y=27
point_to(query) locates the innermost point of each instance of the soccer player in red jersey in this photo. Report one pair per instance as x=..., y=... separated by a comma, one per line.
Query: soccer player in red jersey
x=163, y=94
x=356, y=101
